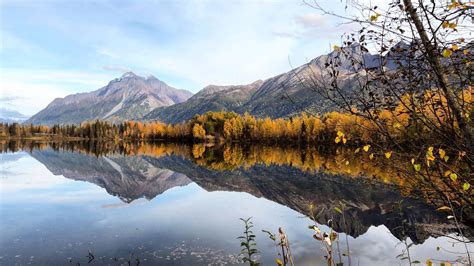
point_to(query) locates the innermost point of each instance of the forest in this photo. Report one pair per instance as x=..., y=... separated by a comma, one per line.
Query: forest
x=398, y=126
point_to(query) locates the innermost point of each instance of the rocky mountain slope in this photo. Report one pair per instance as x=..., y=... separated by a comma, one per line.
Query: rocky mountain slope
x=124, y=98
x=211, y=98
x=280, y=96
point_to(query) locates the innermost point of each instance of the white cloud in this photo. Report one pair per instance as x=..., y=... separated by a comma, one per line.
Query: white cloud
x=119, y=69
x=35, y=96
x=222, y=45
x=29, y=91
x=105, y=52
x=311, y=20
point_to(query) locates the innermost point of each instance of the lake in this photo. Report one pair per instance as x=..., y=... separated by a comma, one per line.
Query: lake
x=149, y=204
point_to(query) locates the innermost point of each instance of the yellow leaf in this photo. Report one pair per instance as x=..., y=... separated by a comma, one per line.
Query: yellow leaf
x=465, y=52
x=337, y=139
x=453, y=4
x=442, y=153
x=429, y=263
x=447, y=53
x=388, y=154
x=371, y=156
x=429, y=155
x=453, y=176
x=366, y=148
x=454, y=47
x=316, y=229
x=412, y=161
x=445, y=24
x=446, y=158
x=374, y=17
x=279, y=262
x=347, y=162
x=397, y=125
x=344, y=140
x=453, y=25
x=447, y=173
x=417, y=167
x=357, y=150
x=466, y=186
x=340, y=134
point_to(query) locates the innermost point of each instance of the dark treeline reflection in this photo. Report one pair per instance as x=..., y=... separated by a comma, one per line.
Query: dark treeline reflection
x=232, y=156
x=336, y=161
x=372, y=191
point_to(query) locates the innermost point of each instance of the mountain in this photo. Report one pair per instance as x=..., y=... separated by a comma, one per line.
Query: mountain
x=124, y=98
x=294, y=92
x=211, y=98
x=128, y=178
x=287, y=94
x=280, y=96
x=11, y=116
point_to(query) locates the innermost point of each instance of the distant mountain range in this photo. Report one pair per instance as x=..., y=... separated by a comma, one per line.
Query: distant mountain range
x=133, y=97
x=284, y=95
x=11, y=116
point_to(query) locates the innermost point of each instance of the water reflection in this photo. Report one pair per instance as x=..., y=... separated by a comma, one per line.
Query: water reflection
x=184, y=222
x=128, y=178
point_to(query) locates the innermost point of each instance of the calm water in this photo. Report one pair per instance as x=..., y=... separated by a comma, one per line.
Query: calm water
x=163, y=207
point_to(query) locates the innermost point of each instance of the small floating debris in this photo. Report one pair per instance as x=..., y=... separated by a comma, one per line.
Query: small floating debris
x=90, y=257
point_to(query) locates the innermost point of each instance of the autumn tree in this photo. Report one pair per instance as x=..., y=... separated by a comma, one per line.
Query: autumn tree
x=417, y=46
x=199, y=132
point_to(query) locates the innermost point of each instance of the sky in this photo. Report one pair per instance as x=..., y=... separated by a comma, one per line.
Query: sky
x=53, y=48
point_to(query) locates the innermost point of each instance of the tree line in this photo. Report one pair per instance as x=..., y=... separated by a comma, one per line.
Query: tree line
x=336, y=127
x=209, y=127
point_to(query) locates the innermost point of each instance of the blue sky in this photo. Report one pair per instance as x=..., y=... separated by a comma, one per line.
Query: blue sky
x=52, y=48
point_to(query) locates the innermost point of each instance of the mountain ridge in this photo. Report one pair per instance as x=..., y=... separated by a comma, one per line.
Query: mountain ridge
x=124, y=98
x=283, y=95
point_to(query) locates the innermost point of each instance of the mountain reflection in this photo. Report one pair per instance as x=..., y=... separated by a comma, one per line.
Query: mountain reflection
x=128, y=178
x=288, y=176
